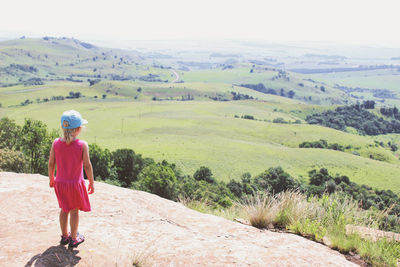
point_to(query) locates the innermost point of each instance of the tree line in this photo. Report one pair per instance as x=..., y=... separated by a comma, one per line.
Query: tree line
x=322, y=144
x=26, y=149
x=358, y=117
x=260, y=87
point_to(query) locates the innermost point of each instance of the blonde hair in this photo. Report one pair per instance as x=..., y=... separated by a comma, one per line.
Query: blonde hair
x=69, y=134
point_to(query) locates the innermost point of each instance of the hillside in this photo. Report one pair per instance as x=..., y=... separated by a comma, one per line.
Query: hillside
x=199, y=133
x=193, y=120
x=127, y=225
x=35, y=61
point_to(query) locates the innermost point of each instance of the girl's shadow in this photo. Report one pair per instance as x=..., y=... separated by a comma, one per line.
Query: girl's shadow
x=57, y=256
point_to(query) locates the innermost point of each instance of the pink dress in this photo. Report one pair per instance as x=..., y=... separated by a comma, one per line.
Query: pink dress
x=69, y=184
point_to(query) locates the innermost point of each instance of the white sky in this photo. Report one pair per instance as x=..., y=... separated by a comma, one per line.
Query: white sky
x=345, y=21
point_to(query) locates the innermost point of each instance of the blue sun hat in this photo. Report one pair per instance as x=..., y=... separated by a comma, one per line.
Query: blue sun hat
x=71, y=119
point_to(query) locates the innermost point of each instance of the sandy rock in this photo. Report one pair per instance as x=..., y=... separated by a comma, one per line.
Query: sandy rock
x=126, y=226
x=373, y=234
x=327, y=241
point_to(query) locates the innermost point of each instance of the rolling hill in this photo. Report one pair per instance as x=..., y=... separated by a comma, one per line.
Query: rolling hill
x=131, y=101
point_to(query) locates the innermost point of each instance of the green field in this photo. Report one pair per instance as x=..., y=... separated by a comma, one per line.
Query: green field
x=122, y=112
x=193, y=134
x=376, y=79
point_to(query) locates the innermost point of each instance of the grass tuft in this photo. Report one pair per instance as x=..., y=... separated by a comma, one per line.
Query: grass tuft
x=323, y=219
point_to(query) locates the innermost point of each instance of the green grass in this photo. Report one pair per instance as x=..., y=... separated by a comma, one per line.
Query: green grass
x=376, y=79
x=193, y=133
x=197, y=133
x=241, y=75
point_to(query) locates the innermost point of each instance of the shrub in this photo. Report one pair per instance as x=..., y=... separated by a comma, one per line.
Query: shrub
x=36, y=143
x=13, y=161
x=248, y=117
x=274, y=180
x=127, y=165
x=159, y=180
x=102, y=163
x=204, y=174
x=10, y=134
x=279, y=120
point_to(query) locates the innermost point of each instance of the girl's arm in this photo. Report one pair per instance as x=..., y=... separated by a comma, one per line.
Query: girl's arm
x=87, y=165
x=51, y=166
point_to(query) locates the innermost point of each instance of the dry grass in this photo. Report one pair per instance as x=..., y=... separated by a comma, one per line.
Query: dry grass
x=267, y=211
x=141, y=259
x=261, y=210
x=323, y=218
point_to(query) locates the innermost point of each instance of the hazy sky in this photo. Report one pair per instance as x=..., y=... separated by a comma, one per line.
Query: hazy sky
x=346, y=21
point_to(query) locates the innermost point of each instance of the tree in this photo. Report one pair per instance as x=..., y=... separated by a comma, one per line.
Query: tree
x=159, y=180
x=393, y=147
x=249, y=188
x=291, y=94
x=10, y=134
x=102, y=163
x=369, y=104
x=13, y=161
x=330, y=186
x=204, y=174
x=319, y=178
x=35, y=142
x=187, y=186
x=275, y=180
x=236, y=188
x=127, y=165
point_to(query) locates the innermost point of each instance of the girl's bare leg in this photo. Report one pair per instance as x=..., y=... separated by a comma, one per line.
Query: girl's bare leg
x=74, y=222
x=64, y=223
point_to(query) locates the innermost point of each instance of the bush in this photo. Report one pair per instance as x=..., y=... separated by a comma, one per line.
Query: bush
x=274, y=180
x=36, y=143
x=102, y=163
x=321, y=144
x=159, y=180
x=236, y=188
x=279, y=120
x=127, y=164
x=356, y=116
x=204, y=174
x=13, y=161
x=10, y=134
x=248, y=117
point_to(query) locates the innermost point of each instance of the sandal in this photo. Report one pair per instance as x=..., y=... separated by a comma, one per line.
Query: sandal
x=73, y=243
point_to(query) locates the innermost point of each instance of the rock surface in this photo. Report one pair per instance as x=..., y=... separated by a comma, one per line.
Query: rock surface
x=127, y=226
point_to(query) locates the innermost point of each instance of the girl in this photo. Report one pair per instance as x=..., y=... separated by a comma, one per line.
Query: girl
x=71, y=156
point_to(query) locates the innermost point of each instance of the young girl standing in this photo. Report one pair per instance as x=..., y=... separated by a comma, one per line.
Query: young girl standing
x=71, y=156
